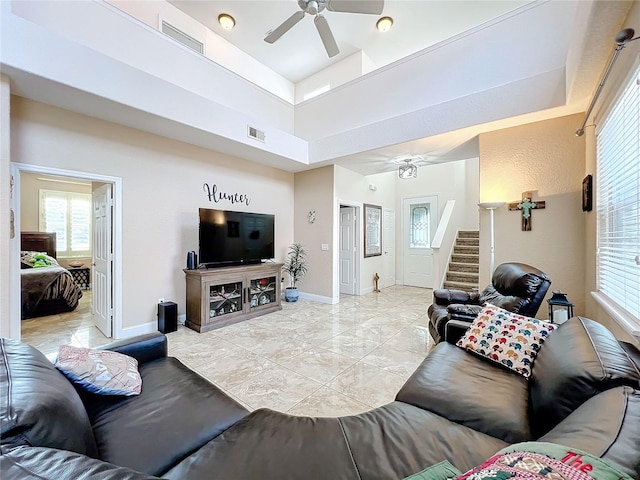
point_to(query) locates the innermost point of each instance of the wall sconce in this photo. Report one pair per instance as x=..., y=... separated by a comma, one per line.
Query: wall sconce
x=560, y=308
x=226, y=21
x=312, y=216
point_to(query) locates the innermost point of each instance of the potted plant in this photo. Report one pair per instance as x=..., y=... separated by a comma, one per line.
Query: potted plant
x=296, y=267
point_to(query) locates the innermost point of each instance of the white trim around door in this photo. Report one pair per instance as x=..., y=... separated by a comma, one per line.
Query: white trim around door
x=16, y=169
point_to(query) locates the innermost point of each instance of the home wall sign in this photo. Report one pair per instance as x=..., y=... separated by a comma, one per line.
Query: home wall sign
x=215, y=195
x=526, y=206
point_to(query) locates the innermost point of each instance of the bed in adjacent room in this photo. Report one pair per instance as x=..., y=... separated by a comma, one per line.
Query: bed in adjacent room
x=47, y=288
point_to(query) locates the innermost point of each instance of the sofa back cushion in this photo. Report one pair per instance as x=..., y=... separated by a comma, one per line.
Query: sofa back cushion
x=608, y=426
x=579, y=360
x=470, y=391
x=38, y=405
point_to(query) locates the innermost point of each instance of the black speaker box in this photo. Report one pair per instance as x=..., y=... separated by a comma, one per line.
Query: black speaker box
x=167, y=317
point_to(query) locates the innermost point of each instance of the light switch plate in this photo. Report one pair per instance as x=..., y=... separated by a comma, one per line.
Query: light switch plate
x=325, y=246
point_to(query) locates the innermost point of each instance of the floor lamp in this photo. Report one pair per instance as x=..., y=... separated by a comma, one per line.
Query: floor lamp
x=491, y=206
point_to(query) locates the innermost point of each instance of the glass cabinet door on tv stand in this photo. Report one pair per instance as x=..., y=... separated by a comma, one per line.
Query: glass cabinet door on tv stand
x=262, y=292
x=225, y=299
x=221, y=296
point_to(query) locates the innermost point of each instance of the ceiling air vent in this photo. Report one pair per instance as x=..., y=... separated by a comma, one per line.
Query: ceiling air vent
x=256, y=134
x=182, y=37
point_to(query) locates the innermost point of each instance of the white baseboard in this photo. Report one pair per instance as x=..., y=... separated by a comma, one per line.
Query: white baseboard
x=364, y=291
x=182, y=319
x=318, y=298
x=138, y=330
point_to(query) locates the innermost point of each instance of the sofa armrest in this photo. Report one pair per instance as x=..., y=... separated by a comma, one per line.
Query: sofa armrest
x=443, y=296
x=454, y=330
x=144, y=348
x=39, y=463
x=467, y=313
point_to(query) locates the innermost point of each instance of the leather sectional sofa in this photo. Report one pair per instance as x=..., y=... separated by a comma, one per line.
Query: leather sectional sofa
x=584, y=392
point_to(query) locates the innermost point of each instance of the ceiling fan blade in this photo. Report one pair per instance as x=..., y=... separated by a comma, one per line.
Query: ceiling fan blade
x=284, y=27
x=374, y=7
x=329, y=42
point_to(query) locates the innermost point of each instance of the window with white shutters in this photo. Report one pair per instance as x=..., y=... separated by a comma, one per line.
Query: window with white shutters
x=618, y=205
x=69, y=216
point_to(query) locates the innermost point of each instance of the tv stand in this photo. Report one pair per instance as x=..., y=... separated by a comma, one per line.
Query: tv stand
x=221, y=296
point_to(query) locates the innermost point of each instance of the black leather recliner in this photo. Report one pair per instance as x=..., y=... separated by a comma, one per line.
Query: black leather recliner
x=516, y=287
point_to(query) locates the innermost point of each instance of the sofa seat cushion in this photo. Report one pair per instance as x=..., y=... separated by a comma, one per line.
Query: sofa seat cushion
x=579, y=360
x=469, y=390
x=272, y=445
x=40, y=463
x=397, y=440
x=607, y=426
x=38, y=405
x=177, y=412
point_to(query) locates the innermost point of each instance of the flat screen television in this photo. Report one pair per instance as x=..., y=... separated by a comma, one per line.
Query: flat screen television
x=235, y=238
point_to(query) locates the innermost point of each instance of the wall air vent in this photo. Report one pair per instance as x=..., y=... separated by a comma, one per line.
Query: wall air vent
x=182, y=37
x=253, y=132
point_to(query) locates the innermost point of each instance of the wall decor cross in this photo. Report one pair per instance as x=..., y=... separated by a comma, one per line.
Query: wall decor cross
x=525, y=206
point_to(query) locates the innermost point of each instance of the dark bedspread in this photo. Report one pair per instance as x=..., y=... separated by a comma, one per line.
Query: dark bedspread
x=47, y=283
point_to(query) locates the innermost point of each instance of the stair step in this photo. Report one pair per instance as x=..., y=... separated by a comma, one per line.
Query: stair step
x=467, y=287
x=466, y=250
x=462, y=277
x=465, y=258
x=475, y=242
x=469, y=234
x=464, y=267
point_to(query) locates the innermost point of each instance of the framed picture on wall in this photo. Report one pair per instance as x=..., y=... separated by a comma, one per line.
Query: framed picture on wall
x=372, y=230
x=587, y=193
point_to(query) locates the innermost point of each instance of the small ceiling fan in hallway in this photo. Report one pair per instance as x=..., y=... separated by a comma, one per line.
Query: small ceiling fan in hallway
x=315, y=7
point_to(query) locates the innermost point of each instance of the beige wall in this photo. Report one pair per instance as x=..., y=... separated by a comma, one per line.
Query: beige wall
x=314, y=191
x=548, y=159
x=162, y=189
x=5, y=209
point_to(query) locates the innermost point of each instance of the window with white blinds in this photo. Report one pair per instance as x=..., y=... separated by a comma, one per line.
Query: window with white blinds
x=618, y=202
x=69, y=215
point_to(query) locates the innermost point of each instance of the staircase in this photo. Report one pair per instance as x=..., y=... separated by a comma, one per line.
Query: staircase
x=463, y=267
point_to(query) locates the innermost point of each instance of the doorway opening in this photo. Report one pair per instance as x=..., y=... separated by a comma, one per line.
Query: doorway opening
x=84, y=211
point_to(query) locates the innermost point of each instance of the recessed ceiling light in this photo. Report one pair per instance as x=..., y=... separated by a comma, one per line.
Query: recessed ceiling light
x=384, y=24
x=226, y=21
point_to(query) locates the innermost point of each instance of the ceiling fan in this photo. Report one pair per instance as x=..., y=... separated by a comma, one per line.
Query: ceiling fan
x=314, y=7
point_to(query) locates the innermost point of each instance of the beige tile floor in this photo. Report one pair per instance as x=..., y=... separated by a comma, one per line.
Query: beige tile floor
x=308, y=359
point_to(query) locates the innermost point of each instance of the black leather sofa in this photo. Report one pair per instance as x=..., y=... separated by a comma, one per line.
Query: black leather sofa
x=517, y=287
x=584, y=393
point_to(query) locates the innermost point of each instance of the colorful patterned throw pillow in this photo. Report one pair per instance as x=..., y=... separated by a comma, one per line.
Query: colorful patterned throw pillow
x=507, y=338
x=100, y=371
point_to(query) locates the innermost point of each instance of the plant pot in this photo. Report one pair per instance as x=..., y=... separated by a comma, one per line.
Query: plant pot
x=291, y=294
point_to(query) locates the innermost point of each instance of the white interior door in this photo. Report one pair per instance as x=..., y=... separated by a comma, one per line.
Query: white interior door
x=389, y=248
x=347, y=250
x=420, y=219
x=102, y=259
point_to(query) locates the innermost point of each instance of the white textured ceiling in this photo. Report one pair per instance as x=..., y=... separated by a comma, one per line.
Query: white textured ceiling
x=299, y=53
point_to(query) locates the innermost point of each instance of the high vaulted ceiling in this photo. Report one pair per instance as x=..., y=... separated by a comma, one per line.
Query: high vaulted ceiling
x=299, y=53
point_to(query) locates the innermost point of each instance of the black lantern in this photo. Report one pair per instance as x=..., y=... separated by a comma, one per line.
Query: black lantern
x=560, y=308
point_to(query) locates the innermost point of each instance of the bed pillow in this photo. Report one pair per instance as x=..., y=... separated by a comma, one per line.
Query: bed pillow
x=506, y=338
x=31, y=259
x=100, y=371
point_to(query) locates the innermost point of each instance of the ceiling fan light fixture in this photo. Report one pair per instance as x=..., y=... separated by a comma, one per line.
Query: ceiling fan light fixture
x=384, y=24
x=226, y=21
